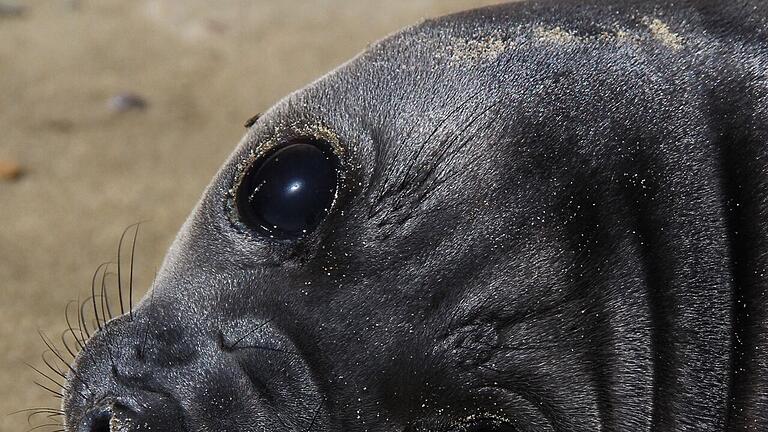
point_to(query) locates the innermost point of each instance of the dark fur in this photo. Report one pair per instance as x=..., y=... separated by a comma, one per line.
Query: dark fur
x=553, y=214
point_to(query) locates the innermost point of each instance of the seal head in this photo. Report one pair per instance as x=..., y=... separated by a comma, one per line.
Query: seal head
x=531, y=217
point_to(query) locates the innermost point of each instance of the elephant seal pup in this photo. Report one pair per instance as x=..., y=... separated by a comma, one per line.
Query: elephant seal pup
x=539, y=216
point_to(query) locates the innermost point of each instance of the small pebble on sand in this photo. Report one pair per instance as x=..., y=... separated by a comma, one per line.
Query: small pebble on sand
x=127, y=102
x=9, y=170
x=11, y=10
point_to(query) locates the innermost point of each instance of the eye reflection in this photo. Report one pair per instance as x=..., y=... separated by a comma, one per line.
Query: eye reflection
x=294, y=187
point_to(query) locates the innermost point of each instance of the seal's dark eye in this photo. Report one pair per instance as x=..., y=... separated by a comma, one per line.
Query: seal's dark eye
x=288, y=193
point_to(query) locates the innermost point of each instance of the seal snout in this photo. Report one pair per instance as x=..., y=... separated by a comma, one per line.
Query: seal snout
x=113, y=388
x=139, y=373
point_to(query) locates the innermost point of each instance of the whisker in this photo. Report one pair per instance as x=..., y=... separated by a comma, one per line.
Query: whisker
x=45, y=425
x=73, y=351
x=37, y=409
x=55, y=393
x=81, y=318
x=93, y=291
x=259, y=327
x=119, y=270
x=120, y=264
x=44, y=375
x=59, y=373
x=70, y=368
x=314, y=416
x=49, y=343
x=105, y=294
x=52, y=368
x=49, y=415
x=32, y=412
x=130, y=274
x=80, y=343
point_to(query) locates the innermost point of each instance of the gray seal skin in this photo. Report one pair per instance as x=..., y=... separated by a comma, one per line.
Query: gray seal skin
x=548, y=216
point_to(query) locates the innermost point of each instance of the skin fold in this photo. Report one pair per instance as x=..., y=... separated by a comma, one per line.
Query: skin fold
x=550, y=216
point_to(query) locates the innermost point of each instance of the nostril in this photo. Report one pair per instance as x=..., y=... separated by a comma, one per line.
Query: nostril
x=111, y=417
x=139, y=410
x=100, y=421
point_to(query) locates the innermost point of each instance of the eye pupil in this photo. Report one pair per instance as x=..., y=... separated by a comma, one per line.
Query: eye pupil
x=289, y=192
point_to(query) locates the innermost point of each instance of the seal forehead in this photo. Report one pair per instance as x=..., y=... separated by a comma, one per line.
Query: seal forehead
x=482, y=36
x=415, y=100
